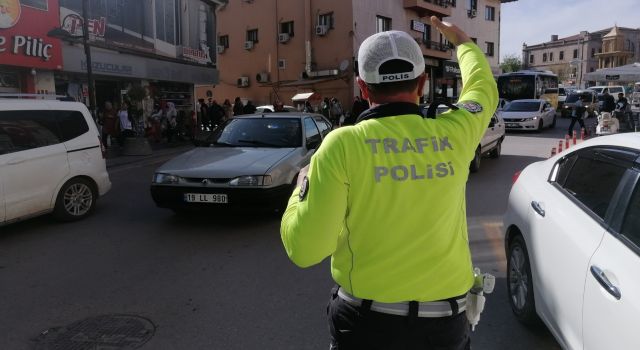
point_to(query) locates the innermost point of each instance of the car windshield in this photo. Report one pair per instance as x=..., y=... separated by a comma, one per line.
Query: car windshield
x=258, y=132
x=517, y=106
x=574, y=97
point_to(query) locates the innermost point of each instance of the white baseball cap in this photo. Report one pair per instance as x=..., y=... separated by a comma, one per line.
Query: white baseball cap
x=386, y=46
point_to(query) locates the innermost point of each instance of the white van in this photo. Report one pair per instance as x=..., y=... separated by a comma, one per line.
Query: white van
x=51, y=160
x=613, y=90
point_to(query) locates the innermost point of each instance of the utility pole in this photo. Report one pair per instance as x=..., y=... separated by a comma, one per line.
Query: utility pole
x=87, y=53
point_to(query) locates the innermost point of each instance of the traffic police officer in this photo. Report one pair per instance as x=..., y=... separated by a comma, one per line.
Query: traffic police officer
x=385, y=198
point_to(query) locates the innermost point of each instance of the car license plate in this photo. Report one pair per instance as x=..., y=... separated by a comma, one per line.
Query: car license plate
x=205, y=198
x=511, y=125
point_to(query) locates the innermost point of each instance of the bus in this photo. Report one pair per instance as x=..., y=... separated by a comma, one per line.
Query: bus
x=528, y=84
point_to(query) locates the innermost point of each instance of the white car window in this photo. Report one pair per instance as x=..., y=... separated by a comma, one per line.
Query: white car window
x=591, y=182
x=631, y=222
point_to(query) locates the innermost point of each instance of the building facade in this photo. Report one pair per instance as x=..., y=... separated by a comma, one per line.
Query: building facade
x=279, y=49
x=574, y=56
x=166, y=46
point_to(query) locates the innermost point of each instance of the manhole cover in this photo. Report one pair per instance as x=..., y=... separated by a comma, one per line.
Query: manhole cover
x=106, y=332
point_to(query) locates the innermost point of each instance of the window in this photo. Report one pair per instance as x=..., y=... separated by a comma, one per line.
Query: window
x=311, y=132
x=166, y=21
x=426, y=35
x=544, y=57
x=39, y=4
x=24, y=130
x=72, y=124
x=575, y=53
x=631, y=222
x=452, y=3
x=252, y=35
x=324, y=126
x=326, y=20
x=592, y=182
x=561, y=55
x=490, y=13
x=287, y=27
x=489, y=49
x=472, y=4
x=223, y=40
x=531, y=59
x=282, y=63
x=551, y=56
x=383, y=24
x=475, y=40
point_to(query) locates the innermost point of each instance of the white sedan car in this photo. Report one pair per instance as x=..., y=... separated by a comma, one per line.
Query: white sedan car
x=529, y=115
x=573, y=244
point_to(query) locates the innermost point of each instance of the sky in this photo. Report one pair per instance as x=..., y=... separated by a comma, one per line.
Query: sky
x=534, y=21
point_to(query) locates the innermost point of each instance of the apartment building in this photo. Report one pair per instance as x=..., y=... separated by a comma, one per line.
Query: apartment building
x=292, y=49
x=574, y=56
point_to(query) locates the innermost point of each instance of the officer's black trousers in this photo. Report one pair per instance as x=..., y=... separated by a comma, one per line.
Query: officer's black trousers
x=352, y=327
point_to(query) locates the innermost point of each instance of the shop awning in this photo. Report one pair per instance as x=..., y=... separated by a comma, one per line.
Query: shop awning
x=302, y=97
x=303, y=82
x=628, y=73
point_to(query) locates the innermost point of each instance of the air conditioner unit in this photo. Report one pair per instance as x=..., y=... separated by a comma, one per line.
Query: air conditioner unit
x=243, y=82
x=472, y=13
x=322, y=29
x=221, y=49
x=283, y=37
x=248, y=45
x=262, y=77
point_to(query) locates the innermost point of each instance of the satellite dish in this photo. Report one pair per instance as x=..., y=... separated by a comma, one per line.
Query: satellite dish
x=343, y=65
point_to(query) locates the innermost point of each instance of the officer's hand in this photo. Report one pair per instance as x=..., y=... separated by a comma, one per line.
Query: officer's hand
x=302, y=174
x=454, y=34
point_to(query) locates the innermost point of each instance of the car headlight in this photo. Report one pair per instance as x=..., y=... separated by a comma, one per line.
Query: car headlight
x=161, y=178
x=251, y=180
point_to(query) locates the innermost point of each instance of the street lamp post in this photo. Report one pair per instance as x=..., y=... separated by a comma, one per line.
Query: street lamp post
x=87, y=53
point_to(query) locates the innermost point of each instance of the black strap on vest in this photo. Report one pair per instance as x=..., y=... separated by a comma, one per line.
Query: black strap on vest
x=433, y=107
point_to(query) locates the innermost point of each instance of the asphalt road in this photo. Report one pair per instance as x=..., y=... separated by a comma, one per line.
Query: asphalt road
x=216, y=281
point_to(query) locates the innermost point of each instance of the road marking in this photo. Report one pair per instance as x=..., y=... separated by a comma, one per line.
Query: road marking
x=493, y=232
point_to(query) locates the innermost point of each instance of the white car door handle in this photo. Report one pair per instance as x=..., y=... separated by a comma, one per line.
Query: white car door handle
x=538, y=208
x=605, y=283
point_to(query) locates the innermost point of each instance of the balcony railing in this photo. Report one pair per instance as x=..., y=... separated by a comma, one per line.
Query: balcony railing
x=429, y=7
x=435, y=45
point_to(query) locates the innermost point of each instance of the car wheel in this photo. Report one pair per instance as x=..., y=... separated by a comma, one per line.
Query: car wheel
x=475, y=163
x=540, y=126
x=520, y=283
x=495, y=152
x=76, y=199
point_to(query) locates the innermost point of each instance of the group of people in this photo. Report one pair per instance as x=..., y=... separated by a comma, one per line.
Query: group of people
x=211, y=114
x=619, y=108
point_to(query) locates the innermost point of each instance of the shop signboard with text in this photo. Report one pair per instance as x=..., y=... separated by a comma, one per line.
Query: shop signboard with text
x=24, y=42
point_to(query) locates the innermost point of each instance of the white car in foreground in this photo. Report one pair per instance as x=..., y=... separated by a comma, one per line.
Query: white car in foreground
x=533, y=114
x=573, y=244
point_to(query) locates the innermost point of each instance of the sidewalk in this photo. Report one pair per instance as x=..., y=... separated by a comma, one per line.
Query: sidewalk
x=163, y=149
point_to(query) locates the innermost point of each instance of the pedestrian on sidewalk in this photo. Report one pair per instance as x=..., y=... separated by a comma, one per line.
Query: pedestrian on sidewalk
x=171, y=116
x=126, y=128
x=394, y=222
x=228, y=109
x=109, y=124
x=238, y=107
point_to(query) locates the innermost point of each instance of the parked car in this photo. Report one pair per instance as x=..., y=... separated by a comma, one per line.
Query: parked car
x=491, y=142
x=562, y=96
x=573, y=243
x=532, y=114
x=589, y=101
x=51, y=160
x=250, y=161
x=270, y=108
x=612, y=90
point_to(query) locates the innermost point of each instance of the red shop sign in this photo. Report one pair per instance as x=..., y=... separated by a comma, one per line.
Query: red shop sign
x=24, y=25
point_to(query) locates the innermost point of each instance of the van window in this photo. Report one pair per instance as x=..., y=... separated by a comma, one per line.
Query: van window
x=72, y=124
x=23, y=130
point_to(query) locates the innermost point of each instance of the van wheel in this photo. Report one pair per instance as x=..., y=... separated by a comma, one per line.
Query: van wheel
x=475, y=163
x=76, y=200
x=495, y=152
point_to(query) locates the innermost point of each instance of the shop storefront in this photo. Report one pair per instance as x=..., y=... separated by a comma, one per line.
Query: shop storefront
x=28, y=56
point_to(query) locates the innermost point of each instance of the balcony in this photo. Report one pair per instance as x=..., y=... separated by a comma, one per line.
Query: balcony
x=423, y=8
x=437, y=49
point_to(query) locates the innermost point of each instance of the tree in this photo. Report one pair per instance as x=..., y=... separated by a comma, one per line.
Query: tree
x=511, y=63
